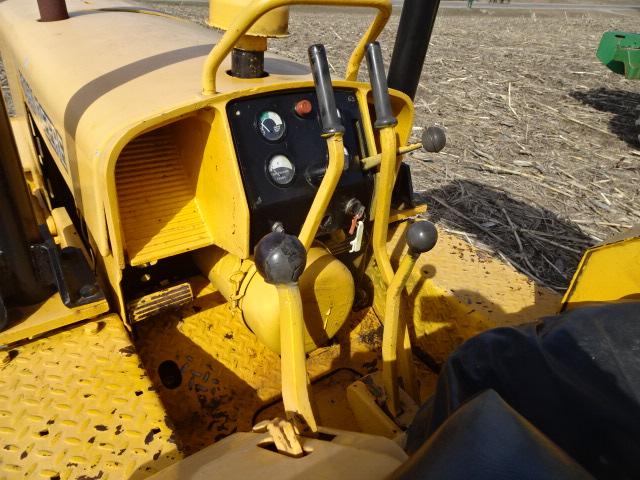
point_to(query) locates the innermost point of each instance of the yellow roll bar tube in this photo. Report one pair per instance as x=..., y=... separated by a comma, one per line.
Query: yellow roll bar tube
x=259, y=7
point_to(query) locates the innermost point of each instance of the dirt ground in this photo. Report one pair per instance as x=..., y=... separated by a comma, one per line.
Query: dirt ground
x=542, y=156
x=542, y=153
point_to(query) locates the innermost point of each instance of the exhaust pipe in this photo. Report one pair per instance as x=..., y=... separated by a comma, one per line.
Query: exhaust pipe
x=52, y=10
x=412, y=41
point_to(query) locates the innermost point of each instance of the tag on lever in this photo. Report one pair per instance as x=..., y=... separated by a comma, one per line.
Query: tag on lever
x=356, y=243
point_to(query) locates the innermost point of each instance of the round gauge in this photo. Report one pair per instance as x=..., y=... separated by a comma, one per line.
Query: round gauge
x=281, y=170
x=271, y=126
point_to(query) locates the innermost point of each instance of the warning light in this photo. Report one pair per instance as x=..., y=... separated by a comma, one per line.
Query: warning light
x=303, y=108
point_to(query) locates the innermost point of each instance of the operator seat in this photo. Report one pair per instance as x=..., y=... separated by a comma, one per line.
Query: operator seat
x=575, y=377
x=487, y=439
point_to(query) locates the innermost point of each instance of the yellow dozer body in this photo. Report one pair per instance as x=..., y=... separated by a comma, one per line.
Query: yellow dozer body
x=170, y=159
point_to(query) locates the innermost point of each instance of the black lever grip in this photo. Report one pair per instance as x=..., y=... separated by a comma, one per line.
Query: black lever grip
x=324, y=90
x=378, y=79
x=280, y=258
x=421, y=237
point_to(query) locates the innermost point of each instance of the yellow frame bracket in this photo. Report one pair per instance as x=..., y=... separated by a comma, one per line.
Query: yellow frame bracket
x=258, y=8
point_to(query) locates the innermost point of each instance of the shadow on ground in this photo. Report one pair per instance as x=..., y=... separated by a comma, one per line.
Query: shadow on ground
x=533, y=239
x=623, y=104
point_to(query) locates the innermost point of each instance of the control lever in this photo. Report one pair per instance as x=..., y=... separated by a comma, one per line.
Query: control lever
x=281, y=259
x=434, y=139
x=378, y=80
x=332, y=131
x=324, y=90
x=385, y=123
x=389, y=165
x=396, y=344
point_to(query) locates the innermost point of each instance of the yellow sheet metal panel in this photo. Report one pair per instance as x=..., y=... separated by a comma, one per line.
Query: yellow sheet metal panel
x=99, y=76
x=158, y=210
x=218, y=183
x=77, y=404
x=349, y=455
x=32, y=320
x=607, y=273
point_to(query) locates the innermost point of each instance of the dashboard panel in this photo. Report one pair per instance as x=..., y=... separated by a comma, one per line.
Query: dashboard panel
x=283, y=158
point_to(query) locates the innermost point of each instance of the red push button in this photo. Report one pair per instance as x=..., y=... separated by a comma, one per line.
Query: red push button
x=303, y=108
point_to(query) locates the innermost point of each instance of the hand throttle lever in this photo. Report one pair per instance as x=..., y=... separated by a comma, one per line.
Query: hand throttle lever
x=332, y=131
x=385, y=123
x=324, y=90
x=378, y=80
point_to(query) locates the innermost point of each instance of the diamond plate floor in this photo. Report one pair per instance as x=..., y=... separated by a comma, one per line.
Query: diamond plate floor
x=77, y=405
x=228, y=377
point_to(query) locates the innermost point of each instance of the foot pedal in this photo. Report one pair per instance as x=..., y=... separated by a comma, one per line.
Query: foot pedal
x=158, y=302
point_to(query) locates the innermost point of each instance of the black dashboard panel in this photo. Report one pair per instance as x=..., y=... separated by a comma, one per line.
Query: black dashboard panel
x=302, y=144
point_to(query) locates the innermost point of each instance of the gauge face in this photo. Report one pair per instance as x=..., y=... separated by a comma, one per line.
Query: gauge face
x=271, y=126
x=281, y=170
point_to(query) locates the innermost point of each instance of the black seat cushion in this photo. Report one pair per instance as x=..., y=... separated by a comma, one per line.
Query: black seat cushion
x=575, y=376
x=487, y=439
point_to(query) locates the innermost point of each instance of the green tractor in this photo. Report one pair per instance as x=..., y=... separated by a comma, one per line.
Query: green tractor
x=620, y=52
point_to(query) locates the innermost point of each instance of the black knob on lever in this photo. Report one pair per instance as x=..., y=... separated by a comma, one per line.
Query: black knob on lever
x=434, y=139
x=421, y=237
x=324, y=90
x=378, y=79
x=280, y=258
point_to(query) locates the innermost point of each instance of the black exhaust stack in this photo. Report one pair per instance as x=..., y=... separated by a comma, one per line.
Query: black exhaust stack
x=412, y=41
x=52, y=10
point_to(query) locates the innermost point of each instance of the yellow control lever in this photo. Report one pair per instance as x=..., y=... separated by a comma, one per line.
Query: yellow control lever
x=281, y=259
x=396, y=346
x=332, y=130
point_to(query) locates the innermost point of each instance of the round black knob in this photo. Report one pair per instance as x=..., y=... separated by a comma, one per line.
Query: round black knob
x=280, y=258
x=433, y=139
x=421, y=237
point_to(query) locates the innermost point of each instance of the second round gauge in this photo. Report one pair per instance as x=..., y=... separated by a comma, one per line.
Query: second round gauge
x=271, y=126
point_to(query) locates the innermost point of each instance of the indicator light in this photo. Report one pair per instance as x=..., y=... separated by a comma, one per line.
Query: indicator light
x=303, y=108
